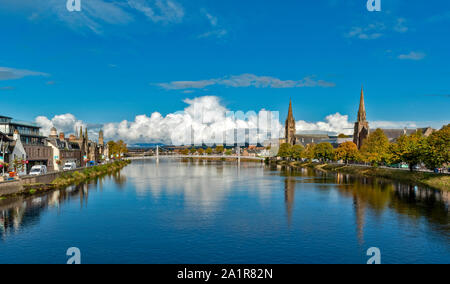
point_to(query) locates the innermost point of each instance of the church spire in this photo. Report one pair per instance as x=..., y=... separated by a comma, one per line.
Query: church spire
x=362, y=107
x=290, y=126
x=290, y=112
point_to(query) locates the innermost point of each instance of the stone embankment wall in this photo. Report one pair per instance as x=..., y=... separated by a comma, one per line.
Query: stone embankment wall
x=16, y=186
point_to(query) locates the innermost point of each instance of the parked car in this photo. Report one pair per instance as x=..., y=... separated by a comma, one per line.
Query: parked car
x=38, y=170
x=69, y=166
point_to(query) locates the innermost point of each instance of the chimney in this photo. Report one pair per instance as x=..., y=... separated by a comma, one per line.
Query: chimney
x=62, y=137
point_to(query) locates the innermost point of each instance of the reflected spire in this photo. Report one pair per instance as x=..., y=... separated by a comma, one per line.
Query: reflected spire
x=289, y=197
x=359, y=208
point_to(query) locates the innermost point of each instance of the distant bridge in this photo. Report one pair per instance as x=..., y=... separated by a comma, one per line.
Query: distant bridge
x=196, y=157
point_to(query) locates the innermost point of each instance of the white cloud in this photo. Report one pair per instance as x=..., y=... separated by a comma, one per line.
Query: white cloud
x=217, y=31
x=372, y=31
x=167, y=11
x=247, y=80
x=378, y=29
x=400, y=26
x=95, y=14
x=66, y=123
x=12, y=74
x=412, y=56
x=333, y=123
x=207, y=120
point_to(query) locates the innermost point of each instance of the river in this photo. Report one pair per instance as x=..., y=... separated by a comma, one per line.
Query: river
x=218, y=212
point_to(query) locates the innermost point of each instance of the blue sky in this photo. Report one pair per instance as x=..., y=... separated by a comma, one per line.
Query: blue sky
x=118, y=59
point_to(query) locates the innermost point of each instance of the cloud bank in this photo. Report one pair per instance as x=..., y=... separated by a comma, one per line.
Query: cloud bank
x=246, y=80
x=13, y=74
x=206, y=120
x=413, y=55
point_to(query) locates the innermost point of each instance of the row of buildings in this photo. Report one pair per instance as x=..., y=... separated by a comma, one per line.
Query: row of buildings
x=22, y=142
x=361, y=131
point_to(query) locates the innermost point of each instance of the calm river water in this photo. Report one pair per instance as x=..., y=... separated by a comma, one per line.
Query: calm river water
x=214, y=212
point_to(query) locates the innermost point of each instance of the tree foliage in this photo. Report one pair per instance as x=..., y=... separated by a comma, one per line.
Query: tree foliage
x=375, y=149
x=285, y=150
x=436, y=149
x=407, y=149
x=324, y=151
x=297, y=152
x=117, y=149
x=347, y=151
x=219, y=149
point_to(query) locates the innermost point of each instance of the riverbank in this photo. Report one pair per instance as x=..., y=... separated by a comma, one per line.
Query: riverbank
x=436, y=181
x=66, y=179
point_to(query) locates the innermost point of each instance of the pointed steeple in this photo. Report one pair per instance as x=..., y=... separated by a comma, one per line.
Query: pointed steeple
x=81, y=132
x=86, y=134
x=362, y=107
x=290, y=126
x=290, y=112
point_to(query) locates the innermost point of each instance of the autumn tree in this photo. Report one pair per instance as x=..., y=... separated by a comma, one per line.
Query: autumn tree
x=324, y=151
x=185, y=152
x=436, y=148
x=297, y=152
x=285, y=150
x=117, y=149
x=347, y=151
x=375, y=149
x=219, y=149
x=193, y=150
x=209, y=151
x=201, y=151
x=408, y=149
x=309, y=151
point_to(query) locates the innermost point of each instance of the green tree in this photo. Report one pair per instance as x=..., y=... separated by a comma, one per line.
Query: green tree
x=201, y=151
x=324, y=151
x=193, y=150
x=285, y=150
x=343, y=136
x=228, y=152
x=407, y=149
x=309, y=151
x=117, y=149
x=219, y=150
x=297, y=152
x=436, y=149
x=347, y=151
x=375, y=149
x=209, y=151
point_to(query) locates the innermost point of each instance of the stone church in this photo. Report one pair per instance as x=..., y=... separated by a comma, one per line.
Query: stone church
x=361, y=131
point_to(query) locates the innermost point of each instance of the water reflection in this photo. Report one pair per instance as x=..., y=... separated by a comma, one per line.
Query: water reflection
x=19, y=212
x=206, y=186
x=378, y=195
x=203, y=184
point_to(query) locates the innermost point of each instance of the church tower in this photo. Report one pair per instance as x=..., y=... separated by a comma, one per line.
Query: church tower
x=362, y=125
x=290, y=126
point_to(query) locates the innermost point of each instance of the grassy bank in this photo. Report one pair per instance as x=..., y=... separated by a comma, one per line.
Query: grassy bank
x=67, y=179
x=437, y=181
